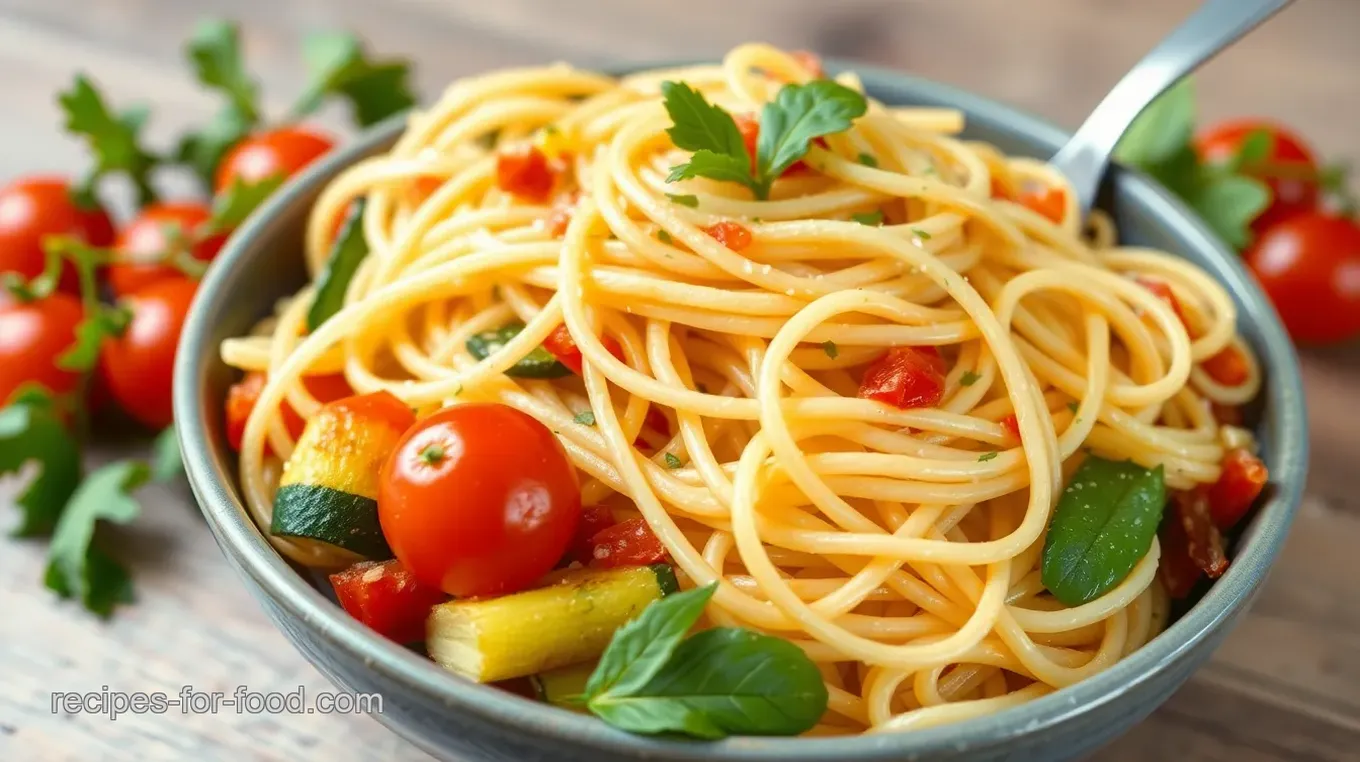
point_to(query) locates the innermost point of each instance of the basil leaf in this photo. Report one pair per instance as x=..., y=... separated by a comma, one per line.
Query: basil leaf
x=1162, y=130
x=1102, y=527
x=349, y=251
x=31, y=430
x=720, y=682
x=75, y=567
x=539, y=363
x=640, y=648
x=1229, y=203
x=798, y=114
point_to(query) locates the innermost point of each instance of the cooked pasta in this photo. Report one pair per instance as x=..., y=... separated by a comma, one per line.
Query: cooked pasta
x=898, y=545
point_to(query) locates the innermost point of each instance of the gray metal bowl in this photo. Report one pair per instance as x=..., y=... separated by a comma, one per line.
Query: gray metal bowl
x=457, y=720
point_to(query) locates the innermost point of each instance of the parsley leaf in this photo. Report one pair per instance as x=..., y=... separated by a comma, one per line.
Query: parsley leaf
x=105, y=322
x=203, y=150
x=986, y=456
x=969, y=378
x=31, y=430
x=231, y=208
x=868, y=160
x=830, y=348
x=919, y=233
x=798, y=114
x=715, y=166
x=215, y=51
x=672, y=461
x=1072, y=406
x=585, y=419
x=872, y=219
x=698, y=125
x=166, y=462
x=75, y=567
x=338, y=66
x=664, y=236
x=684, y=199
x=113, y=139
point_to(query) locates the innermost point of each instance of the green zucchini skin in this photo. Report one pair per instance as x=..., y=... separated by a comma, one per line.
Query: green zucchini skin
x=539, y=363
x=331, y=516
x=349, y=251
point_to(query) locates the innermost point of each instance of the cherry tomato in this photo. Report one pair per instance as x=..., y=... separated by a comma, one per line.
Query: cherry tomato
x=564, y=348
x=283, y=151
x=1243, y=478
x=32, y=336
x=151, y=237
x=1309, y=266
x=730, y=234
x=479, y=499
x=387, y=598
x=524, y=171
x=1288, y=168
x=243, y=395
x=629, y=543
x=32, y=209
x=137, y=365
x=906, y=377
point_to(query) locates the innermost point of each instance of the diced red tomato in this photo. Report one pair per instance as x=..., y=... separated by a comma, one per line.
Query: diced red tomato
x=730, y=234
x=594, y=519
x=999, y=189
x=1012, y=426
x=1243, y=478
x=810, y=61
x=1049, y=202
x=906, y=377
x=1228, y=367
x=1204, y=541
x=1177, y=569
x=563, y=347
x=385, y=596
x=1227, y=415
x=243, y=395
x=630, y=543
x=524, y=171
x=1162, y=291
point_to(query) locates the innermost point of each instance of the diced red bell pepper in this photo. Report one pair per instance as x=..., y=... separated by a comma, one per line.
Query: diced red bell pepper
x=629, y=543
x=1228, y=367
x=385, y=596
x=564, y=348
x=1243, y=478
x=730, y=234
x=1012, y=426
x=523, y=170
x=243, y=395
x=1162, y=291
x=594, y=519
x=906, y=377
x=1050, y=202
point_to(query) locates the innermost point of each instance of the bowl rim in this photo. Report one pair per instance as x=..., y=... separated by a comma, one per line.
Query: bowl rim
x=252, y=555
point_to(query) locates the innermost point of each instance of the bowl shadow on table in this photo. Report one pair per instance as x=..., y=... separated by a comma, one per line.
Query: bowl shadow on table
x=263, y=263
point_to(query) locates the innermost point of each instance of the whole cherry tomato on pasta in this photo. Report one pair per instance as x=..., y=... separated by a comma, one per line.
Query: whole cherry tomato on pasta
x=479, y=499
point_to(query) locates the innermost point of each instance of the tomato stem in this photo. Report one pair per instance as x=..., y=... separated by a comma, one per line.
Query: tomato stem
x=432, y=454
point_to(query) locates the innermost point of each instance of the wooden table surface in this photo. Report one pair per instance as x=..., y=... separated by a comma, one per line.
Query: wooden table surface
x=1286, y=686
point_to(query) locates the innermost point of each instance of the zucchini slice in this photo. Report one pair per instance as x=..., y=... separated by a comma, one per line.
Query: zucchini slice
x=540, y=363
x=329, y=488
x=539, y=630
x=564, y=686
x=347, y=253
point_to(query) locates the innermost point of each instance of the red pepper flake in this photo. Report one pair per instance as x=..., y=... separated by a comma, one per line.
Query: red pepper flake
x=523, y=170
x=730, y=234
x=630, y=543
x=387, y=598
x=1228, y=367
x=1244, y=477
x=906, y=377
x=1049, y=202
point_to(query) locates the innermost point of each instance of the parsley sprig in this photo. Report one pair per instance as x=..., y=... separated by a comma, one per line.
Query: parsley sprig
x=798, y=115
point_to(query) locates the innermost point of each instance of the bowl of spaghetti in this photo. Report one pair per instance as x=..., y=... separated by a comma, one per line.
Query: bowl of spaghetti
x=700, y=405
